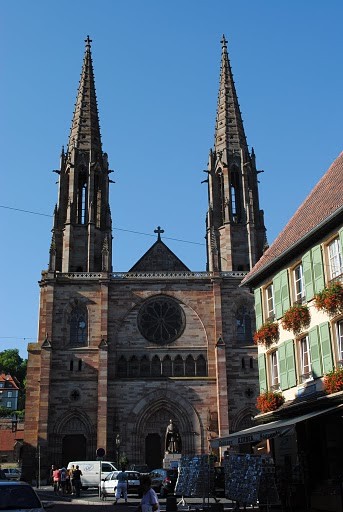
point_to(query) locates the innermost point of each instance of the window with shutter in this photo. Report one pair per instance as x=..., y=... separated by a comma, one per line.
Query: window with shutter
x=258, y=308
x=299, y=285
x=325, y=340
x=262, y=375
x=335, y=258
x=339, y=337
x=308, y=278
x=315, y=353
x=290, y=364
x=274, y=370
x=283, y=366
x=318, y=269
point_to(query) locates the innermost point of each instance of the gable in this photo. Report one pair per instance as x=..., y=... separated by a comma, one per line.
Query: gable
x=159, y=258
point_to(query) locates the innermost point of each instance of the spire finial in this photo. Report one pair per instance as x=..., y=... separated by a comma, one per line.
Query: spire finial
x=223, y=41
x=88, y=43
x=159, y=231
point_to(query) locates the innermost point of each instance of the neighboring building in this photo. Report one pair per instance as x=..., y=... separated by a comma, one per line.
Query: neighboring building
x=9, y=392
x=305, y=258
x=121, y=353
x=11, y=440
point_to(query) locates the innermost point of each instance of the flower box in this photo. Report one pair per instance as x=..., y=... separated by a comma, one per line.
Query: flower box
x=296, y=318
x=333, y=381
x=330, y=299
x=267, y=334
x=269, y=401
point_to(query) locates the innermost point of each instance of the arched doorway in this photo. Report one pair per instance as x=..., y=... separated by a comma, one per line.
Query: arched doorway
x=153, y=452
x=74, y=447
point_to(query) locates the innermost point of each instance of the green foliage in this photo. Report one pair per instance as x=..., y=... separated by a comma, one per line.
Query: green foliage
x=16, y=366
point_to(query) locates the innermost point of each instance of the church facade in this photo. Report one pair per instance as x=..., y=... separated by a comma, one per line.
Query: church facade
x=120, y=354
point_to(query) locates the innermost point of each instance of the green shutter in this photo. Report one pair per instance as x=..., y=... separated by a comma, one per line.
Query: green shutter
x=318, y=269
x=290, y=362
x=262, y=374
x=308, y=279
x=282, y=366
x=325, y=340
x=277, y=295
x=316, y=362
x=284, y=291
x=258, y=308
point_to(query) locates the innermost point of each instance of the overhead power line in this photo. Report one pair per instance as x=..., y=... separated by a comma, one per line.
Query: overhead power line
x=114, y=228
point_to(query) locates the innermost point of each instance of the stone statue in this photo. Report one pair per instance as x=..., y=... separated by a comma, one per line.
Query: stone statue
x=173, y=439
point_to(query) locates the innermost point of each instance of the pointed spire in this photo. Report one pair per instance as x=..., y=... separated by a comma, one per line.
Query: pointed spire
x=85, y=129
x=229, y=131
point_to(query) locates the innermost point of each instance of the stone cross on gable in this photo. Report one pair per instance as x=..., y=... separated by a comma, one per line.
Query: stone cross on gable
x=159, y=231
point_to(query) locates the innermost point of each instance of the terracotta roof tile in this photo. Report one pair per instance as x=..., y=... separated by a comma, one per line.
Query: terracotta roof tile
x=325, y=199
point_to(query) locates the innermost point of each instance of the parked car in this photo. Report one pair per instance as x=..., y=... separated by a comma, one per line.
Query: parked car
x=141, y=468
x=91, y=471
x=12, y=473
x=163, y=480
x=109, y=484
x=20, y=496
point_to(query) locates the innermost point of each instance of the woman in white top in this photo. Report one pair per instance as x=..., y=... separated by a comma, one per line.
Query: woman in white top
x=149, y=501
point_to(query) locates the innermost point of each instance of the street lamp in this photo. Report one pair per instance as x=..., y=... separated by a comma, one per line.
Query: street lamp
x=118, y=448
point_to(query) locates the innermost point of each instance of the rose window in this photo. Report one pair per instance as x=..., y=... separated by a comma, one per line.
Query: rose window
x=161, y=320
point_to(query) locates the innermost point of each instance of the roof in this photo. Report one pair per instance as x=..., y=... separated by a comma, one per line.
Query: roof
x=159, y=258
x=9, y=381
x=324, y=202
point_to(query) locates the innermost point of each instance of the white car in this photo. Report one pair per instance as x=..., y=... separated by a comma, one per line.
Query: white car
x=109, y=484
x=20, y=496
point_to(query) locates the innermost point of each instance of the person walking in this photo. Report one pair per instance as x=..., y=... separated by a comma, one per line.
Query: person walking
x=149, y=501
x=57, y=479
x=121, y=486
x=63, y=480
x=77, y=473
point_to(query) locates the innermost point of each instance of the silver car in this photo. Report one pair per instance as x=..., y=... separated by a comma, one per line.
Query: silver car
x=20, y=496
x=109, y=484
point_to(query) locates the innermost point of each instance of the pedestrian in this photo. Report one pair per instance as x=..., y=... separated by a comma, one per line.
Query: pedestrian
x=63, y=479
x=121, y=485
x=149, y=501
x=71, y=476
x=51, y=476
x=77, y=473
x=57, y=479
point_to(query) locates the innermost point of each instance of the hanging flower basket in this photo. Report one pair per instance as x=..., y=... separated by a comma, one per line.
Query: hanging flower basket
x=330, y=299
x=333, y=381
x=269, y=401
x=296, y=318
x=267, y=334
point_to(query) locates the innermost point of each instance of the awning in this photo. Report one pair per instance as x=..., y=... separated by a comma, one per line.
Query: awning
x=267, y=430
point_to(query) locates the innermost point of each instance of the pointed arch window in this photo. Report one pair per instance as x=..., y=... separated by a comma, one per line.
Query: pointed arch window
x=145, y=367
x=201, y=366
x=155, y=366
x=243, y=325
x=234, y=195
x=167, y=368
x=133, y=367
x=78, y=327
x=82, y=198
x=190, y=366
x=122, y=367
x=179, y=370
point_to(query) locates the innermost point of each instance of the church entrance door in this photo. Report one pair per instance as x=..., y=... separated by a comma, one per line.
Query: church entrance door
x=153, y=451
x=73, y=448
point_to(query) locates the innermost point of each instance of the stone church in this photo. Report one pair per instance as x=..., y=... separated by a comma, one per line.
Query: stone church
x=121, y=353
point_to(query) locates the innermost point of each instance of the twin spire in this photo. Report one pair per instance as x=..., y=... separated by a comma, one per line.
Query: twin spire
x=229, y=131
x=85, y=128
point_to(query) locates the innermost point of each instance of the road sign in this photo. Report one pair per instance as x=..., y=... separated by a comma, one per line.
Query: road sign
x=100, y=452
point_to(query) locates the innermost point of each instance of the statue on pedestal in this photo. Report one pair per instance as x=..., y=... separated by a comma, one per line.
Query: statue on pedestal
x=173, y=439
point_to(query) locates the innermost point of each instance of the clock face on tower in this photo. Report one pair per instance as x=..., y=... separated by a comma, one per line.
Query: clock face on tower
x=161, y=320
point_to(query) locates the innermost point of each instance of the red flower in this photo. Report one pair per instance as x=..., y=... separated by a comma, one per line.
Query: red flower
x=269, y=401
x=296, y=318
x=267, y=333
x=330, y=299
x=333, y=381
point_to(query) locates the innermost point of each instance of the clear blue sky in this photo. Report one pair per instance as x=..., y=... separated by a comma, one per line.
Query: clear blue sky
x=157, y=73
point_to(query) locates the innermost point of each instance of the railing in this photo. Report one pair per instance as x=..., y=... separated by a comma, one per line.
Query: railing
x=149, y=275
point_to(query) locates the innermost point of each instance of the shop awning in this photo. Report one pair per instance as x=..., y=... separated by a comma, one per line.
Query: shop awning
x=267, y=430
